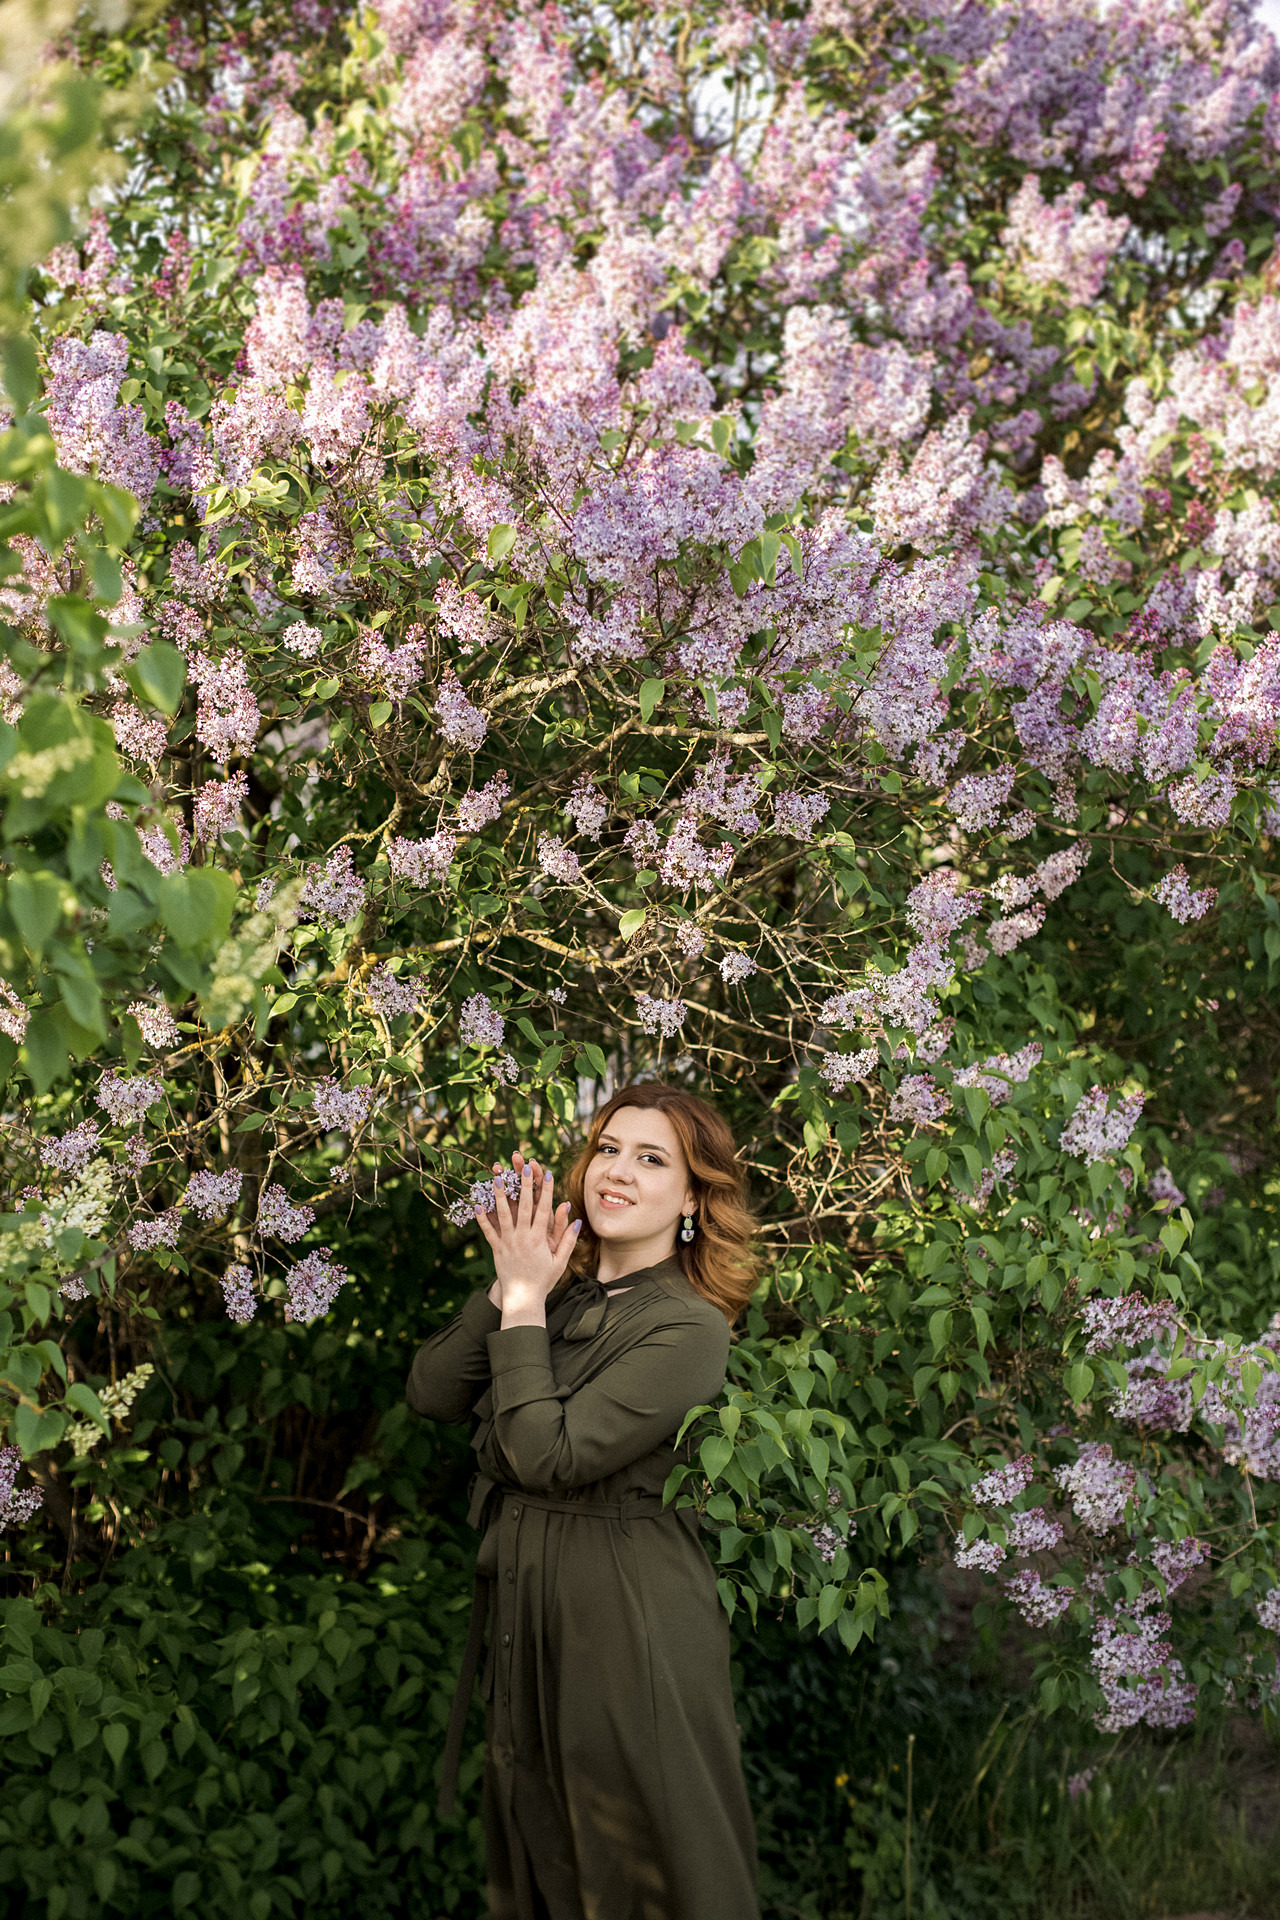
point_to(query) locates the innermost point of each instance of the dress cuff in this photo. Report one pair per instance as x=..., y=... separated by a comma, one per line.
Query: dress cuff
x=520, y=1366
x=480, y=1317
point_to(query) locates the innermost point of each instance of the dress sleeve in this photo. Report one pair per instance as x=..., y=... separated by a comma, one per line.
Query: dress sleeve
x=452, y=1369
x=620, y=1416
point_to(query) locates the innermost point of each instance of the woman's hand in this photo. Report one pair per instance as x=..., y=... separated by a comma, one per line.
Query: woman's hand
x=531, y=1240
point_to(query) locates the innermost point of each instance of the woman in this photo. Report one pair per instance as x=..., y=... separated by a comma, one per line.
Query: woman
x=613, y=1784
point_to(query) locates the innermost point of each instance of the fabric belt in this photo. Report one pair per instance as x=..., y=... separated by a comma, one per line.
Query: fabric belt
x=642, y=1506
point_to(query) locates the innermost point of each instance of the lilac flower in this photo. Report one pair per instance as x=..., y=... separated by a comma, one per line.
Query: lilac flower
x=306, y=642
x=237, y=1291
x=16, y=1507
x=986, y=1555
x=1203, y=803
x=339, y=1110
x=1095, y=1130
x=278, y=1218
x=312, y=1286
x=1175, y=1559
x=157, y=1230
x=397, y=670
x=218, y=804
x=421, y=862
x=999, y=1073
x=840, y=1070
x=334, y=893
x=263, y=894
x=1078, y=1783
x=1001, y=1487
x=1054, y=875
x=587, y=809
x=685, y=861
x=1098, y=1486
x=977, y=799
x=461, y=724
x=393, y=994
x=990, y=1178
x=480, y=1024
x=126, y=1099
x=140, y=732
x=557, y=860
x=210, y=1194
x=641, y=841
x=1268, y=1608
x=1033, y=1531
x=155, y=1022
x=736, y=967
x=1164, y=1190
x=477, y=809
x=919, y=1100
x=228, y=715
x=1010, y=932
x=797, y=814
x=828, y=1539
x=161, y=851
x=71, y=1152
x=1126, y=1322
x=690, y=939
x=664, y=1017
x=1059, y=243
x=941, y=903
x=1175, y=893
x=1039, y=1605
x=1149, y=1399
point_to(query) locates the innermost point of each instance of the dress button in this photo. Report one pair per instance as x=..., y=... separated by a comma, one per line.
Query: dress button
x=515, y=1513
x=510, y=1577
x=506, y=1639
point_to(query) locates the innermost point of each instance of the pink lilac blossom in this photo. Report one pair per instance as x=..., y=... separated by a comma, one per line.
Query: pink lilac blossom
x=461, y=724
x=1149, y=1399
x=422, y=862
x=13, y=1014
x=218, y=804
x=397, y=670
x=1175, y=892
x=1268, y=1608
x=1054, y=875
x=16, y=1505
x=1034, y=1531
x=941, y=903
x=556, y=860
x=155, y=1022
x=480, y=1024
x=1059, y=243
x=306, y=642
x=1126, y=1322
x=588, y=810
x=1098, y=1486
x=125, y=1099
x=1204, y=803
x=977, y=799
x=237, y=1292
x=641, y=841
x=137, y=1151
x=919, y=1100
x=71, y=1152
x=279, y=1218
x=341, y=1110
x=1040, y=1606
x=797, y=814
x=394, y=994
x=690, y=939
x=140, y=733
x=1164, y=1190
x=477, y=809
x=999, y=1073
x=1002, y=1486
x=211, y=1194
x=1174, y=1560
x=158, y=1230
x=462, y=1212
x=991, y=1177
x=166, y=846
x=227, y=715
x=312, y=1286
x=1010, y=932
x=1095, y=1129
x=686, y=861
x=840, y=1070
x=736, y=967
x=986, y=1555
x=332, y=893
x=664, y=1017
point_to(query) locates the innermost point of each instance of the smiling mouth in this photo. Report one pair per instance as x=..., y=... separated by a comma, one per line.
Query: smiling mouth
x=608, y=1199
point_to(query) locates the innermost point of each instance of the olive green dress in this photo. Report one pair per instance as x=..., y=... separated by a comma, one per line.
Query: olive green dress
x=613, y=1779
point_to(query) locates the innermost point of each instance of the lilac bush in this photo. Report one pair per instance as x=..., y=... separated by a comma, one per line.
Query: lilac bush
x=736, y=543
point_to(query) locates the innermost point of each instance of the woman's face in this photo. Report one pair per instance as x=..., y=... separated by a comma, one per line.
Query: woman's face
x=637, y=1185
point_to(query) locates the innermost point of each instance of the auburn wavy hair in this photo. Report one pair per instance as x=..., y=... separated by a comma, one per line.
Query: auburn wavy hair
x=718, y=1262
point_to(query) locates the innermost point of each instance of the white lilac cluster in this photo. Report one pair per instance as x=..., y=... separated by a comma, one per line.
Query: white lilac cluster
x=16, y=1505
x=986, y=1555
x=840, y=1070
x=212, y=1194
x=393, y=994
x=306, y=642
x=155, y=1023
x=421, y=862
x=143, y=735
x=999, y=1073
x=396, y=670
x=1098, y=1486
x=797, y=814
x=1126, y=1322
x=481, y=807
x=919, y=1100
x=333, y=892
x=237, y=1292
x=587, y=809
x=690, y=939
x=1039, y=1605
x=127, y=1099
x=167, y=846
x=664, y=1017
x=279, y=1218
x=312, y=1286
x=156, y=1230
x=341, y=1109
x=1034, y=1531
x=736, y=967
x=1140, y=1681
x=72, y=1151
x=227, y=715
x=480, y=1024
x=827, y=1539
x=1268, y=1609
x=461, y=724
x=1174, y=1560
x=556, y=860
x=1096, y=1129
x=13, y=1014
x=1002, y=1486
x=1177, y=894
x=217, y=806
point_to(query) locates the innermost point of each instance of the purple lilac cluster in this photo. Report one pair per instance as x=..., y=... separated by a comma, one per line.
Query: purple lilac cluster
x=1039, y=1605
x=238, y=1294
x=213, y=1194
x=155, y=1023
x=1098, y=1486
x=1096, y=1130
x=478, y=809
x=312, y=1286
x=663, y=1017
x=72, y=1151
x=155, y=1230
x=480, y=1024
x=556, y=860
x=1002, y=1486
x=841, y=1070
x=126, y=1099
x=986, y=1556
x=332, y=891
x=393, y=994
x=1128, y=1321
x=279, y=1218
x=422, y=862
x=16, y=1504
x=1176, y=893
x=341, y=1109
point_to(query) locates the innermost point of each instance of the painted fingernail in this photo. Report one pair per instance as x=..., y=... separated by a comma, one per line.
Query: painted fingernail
x=546, y=1178
x=527, y=1174
x=577, y=1226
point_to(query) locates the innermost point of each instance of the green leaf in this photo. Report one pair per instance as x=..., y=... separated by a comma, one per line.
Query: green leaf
x=115, y=1738
x=21, y=371
x=632, y=921
x=715, y=1453
x=157, y=675
x=379, y=713
x=1079, y=1380
x=651, y=692
x=501, y=540
x=196, y=907
x=35, y=901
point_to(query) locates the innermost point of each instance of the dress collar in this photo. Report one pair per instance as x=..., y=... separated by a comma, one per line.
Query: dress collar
x=588, y=1301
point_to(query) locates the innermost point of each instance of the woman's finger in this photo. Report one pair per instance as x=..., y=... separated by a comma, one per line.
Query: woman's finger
x=488, y=1225
x=524, y=1206
x=564, y=1251
x=558, y=1226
